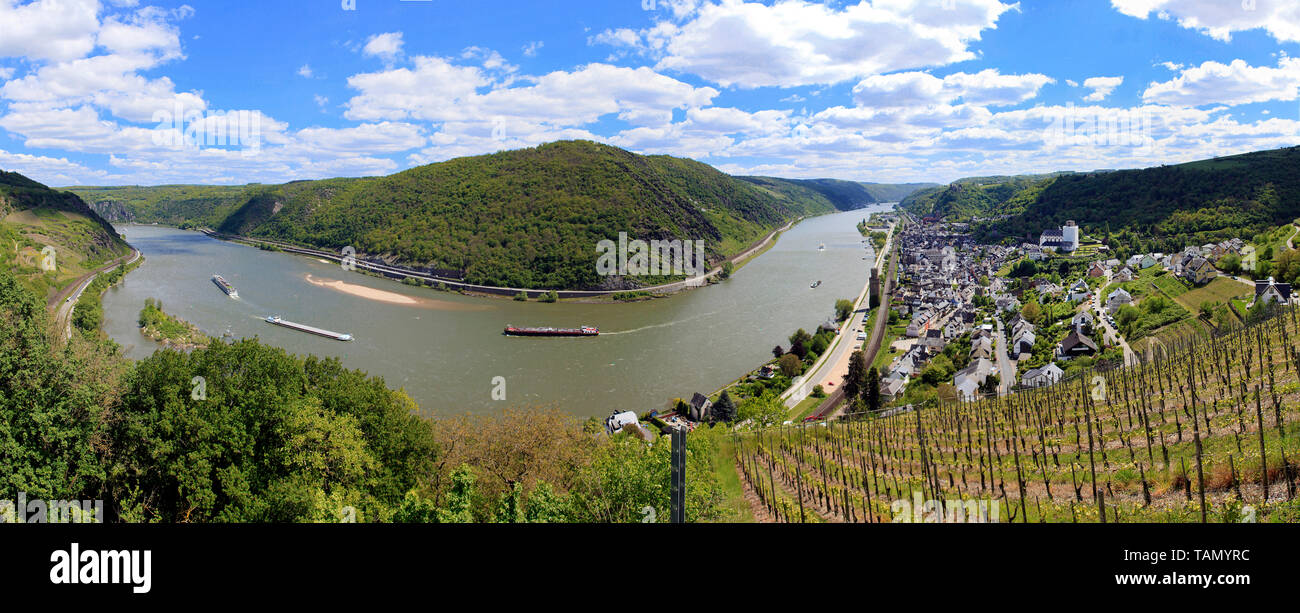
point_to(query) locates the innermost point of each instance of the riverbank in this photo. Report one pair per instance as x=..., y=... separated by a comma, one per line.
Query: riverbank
x=86, y=312
x=831, y=367
x=402, y=274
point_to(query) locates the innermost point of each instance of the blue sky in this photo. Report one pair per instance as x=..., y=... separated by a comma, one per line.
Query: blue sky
x=136, y=92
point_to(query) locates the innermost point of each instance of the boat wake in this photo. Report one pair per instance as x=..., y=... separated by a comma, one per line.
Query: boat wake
x=663, y=325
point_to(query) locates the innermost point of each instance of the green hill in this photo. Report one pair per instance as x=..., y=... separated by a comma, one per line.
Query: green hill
x=34, y=217
x=1168, y=207
x=1156, y=209
x=895, y=192
x=848, y=195
x=966, y=199
x=529, y=218
x=173, y=205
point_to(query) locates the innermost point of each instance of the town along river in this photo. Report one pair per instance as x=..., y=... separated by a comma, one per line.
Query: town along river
x=446, y=350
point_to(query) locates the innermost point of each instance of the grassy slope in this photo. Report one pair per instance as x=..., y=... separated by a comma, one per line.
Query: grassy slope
x=33, y=217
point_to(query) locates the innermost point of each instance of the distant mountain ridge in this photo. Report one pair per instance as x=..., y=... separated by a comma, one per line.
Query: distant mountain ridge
x=527, y=218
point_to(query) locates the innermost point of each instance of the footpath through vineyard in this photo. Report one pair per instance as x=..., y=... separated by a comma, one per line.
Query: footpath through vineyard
x=1205, y=431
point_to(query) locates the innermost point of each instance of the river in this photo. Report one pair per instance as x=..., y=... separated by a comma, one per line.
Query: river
x=447, y=350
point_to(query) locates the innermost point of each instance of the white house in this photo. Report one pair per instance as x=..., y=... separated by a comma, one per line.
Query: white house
x=1023, y=344
x=1117, y=299
x=616, y=421
x=1044, y=375
x=969, y=379
x=1272, y=291
x=1079, y=291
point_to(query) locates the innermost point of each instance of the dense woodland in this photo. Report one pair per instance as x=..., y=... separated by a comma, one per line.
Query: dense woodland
x=1158, y=209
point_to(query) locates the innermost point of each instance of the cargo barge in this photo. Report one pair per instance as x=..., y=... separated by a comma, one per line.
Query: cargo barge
x=275, y=320
x=583, y=331
x=225, y=286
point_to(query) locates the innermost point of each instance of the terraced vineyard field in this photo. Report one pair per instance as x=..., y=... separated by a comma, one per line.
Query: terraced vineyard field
x=1206, y=432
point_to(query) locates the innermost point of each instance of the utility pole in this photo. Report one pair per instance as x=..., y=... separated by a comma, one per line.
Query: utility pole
x=679, y=476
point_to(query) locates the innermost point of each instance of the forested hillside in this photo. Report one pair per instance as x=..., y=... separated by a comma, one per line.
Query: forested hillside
x=975, y=197
x=529, y=218
x=1168, y=207
x=175, y=205
x=891, y=192
x=847, y=195
x=1212, y=200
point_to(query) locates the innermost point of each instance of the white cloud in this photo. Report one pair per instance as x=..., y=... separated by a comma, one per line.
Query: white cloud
x=985, y=88
x=990, y=88
x=305, y=71
x=1230, y=84
x=386, y=46
x=52, y=171
x=901, y=89
x=531, y=49
x=147, y=31
x=726, y=120
x=796, y=43
x=372, y=138
x=434, y=89
x=56, y=30
x=1101, y=87
x=1220, y=18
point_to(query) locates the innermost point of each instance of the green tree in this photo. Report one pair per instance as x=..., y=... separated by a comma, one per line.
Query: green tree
x=791, y=365
x=1031, y=312
x=872, y=393
x=765, y=410
x=545, y=506
x=843, y=309
x=275, y=438
x=939, y=371
x=625, y=476
x=856, y=378
x=799, y=342
x=1230, y=263
x=53, y=403
x=724, y=410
